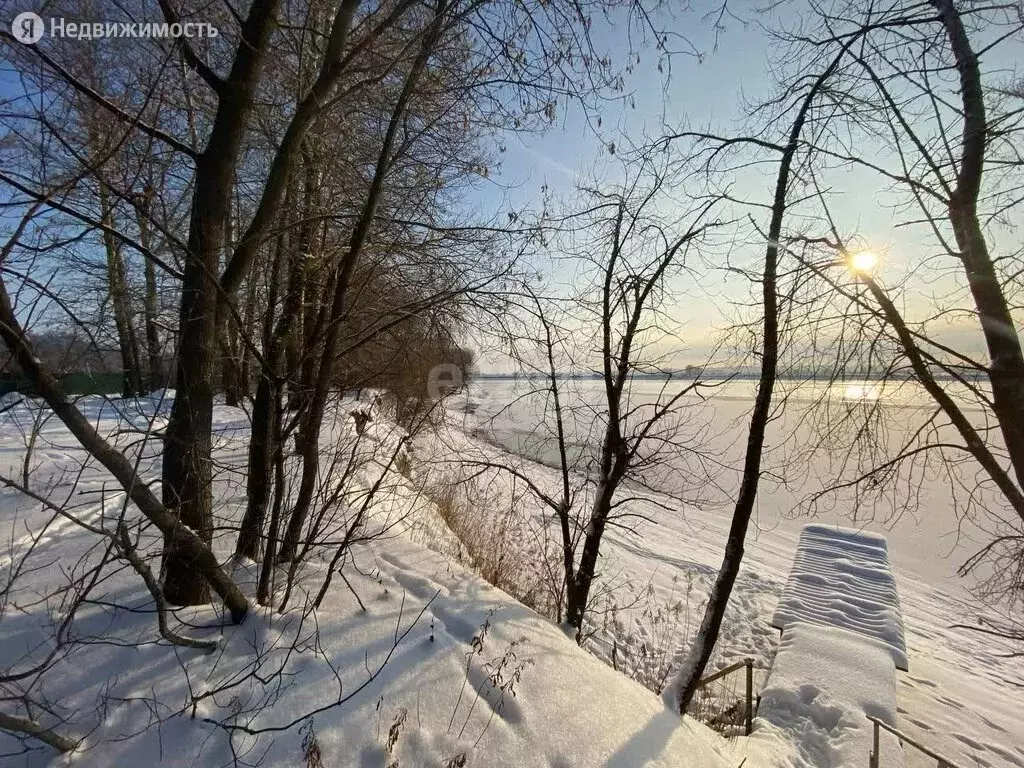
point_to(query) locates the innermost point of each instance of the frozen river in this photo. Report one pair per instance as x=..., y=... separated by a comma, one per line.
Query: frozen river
x=810, y=447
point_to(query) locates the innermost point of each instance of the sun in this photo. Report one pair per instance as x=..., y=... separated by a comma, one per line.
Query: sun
x=863, y=261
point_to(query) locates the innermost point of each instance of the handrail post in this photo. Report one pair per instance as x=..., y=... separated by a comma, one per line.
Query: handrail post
x=750, y=695
x=943, y=762
x=873, y=762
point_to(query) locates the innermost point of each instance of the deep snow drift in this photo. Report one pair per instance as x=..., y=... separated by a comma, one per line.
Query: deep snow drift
x=841, y=578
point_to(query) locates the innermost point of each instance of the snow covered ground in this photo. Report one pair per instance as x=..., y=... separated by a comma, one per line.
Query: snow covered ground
x=429, y=666
x=961, y=696
x=824, y=683
x=440, y=693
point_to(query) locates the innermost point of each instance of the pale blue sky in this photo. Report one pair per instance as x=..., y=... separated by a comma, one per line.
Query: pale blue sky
x=709, y=93
x=695, y=93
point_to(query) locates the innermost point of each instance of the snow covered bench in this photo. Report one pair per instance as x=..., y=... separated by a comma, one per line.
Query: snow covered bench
x=841, y=578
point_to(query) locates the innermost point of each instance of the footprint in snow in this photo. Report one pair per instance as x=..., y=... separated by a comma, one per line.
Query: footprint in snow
x=459, y=628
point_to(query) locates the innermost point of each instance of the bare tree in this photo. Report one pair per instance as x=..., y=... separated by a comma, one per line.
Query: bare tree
x=945, y=132
x=641, y=257
x=610, y=445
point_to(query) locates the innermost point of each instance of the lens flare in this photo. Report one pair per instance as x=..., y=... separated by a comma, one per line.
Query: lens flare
x=861, y=392
x=863, y=261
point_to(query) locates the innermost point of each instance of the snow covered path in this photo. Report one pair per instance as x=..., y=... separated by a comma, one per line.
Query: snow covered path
x=842, y=640
x=823, y=684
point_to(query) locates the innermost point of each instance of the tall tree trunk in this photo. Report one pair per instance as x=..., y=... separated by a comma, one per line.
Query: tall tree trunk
x=117, y=278
x=316, y=309
x=261, y=450
x=277, y=336
x=579, y=585
x=155, y=377
x=265, y=586
x=186, y=468
x=120, y=303
x=613, y=461
x=360, y=233
x=231, y=374
x=187, y=475
x=229, y=338
x=261, y=441
x=300, y=264
x=187, y=471
x=1006, y=372
x=680, y=690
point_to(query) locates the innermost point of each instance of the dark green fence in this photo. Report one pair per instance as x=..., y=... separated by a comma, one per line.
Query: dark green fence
x=79, y=383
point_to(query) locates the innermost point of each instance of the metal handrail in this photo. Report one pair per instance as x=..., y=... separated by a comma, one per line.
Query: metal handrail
x=724, y=671
x=749, y=664
x=943, y=762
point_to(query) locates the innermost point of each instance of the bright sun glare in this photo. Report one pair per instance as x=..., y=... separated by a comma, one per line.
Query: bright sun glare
x=863, y=261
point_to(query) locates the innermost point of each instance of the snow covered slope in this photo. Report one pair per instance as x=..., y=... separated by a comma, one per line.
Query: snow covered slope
x=569, y=709
x=429, y=666
x=965, y=694
x=438, y=687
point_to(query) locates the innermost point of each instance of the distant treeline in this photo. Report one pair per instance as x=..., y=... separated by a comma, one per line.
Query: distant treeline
x=719, y=374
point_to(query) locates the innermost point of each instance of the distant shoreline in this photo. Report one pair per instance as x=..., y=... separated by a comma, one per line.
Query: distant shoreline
x=720, y=375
